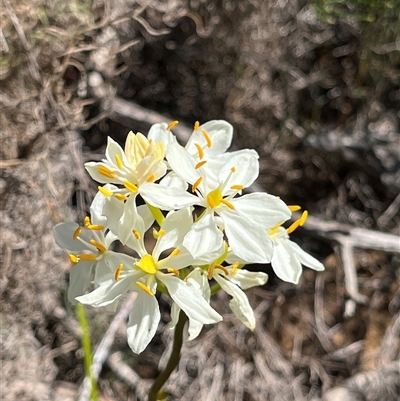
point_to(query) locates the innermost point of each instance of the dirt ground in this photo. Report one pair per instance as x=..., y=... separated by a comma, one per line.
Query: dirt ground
x=314, y=89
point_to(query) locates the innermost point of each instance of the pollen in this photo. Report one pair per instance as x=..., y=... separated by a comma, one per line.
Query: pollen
x=303, y=218
x=172, y=125
x=210, y=271
x=105, y=191
x=151, y=178
x=86, y=221
x=119, y=162
x=144, y=288
x=73, y=258
x=207, y=138
x=200, y=150
x=227, y=203
x=196, y=184
x=136, y=233
x=130, y=186
x=210, y=201
x=95, y=227
x=175, y=252
x=103, y=170
x=235, y=268
x=293, y=226
x=294, y=208
x=173, y=271
x=86, y=256
x=158, y=234
x=118, y=272
x=121, y=197
x=199, y=164
x=237, y=187
x=76, y=233
x=99, y=246
x=233, y=169
x=196, y=126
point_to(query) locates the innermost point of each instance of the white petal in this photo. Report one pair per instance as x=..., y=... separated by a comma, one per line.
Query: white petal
x=204, y=237
x=167, y=198
x=92, y=169
x=63, y=235
x=147, y=216
x=239, y=303
x=246, y=279
x=261, y=208
x=113, y=210
x=305, y=258
x=114, y=149
x=96, y=209
x=285, y=262
x=80, y=277
x=246, y=171
x=247, y=240
x=129, y=220
x=175, y=310
x=143, y=322
x=159, y=133
x=189, y=300
x=172, y=180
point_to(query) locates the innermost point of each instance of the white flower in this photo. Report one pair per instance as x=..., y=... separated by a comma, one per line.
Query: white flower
x=243, y=218
x=143, y=277
x=288, y=256
x=90, y=244
x=141, y=162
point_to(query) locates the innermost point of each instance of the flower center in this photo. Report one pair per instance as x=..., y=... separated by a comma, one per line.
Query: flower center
x=214, y=198
x=147, y=264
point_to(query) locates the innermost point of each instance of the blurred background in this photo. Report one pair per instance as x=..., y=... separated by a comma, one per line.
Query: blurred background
x=312, y=85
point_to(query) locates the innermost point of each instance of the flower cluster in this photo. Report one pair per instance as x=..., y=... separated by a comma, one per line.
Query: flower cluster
x=206, y=230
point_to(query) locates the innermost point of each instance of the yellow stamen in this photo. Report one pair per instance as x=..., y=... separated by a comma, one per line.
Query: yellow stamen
x=87, y=256
x=96, y=227
x=237, y=187
x=105, y=191
x=196, y=126
x=210, y=201
x=196, y=184
x=118, y=272
x=293, y=226
x=210, y=271
x=224, y=269
x=151, y=178
x=200, y=150
x=103, y=170
x=136, y=233
x=158, y=234
x=119, y=162
x=233, y=169
x=207, y=138
x=172, y=125
x=199, y=164
x=73, y=258
x=235, y=268
x=144, y=288
x=86, y=221
x=303, y=218
x=121, y=197
x=99, y=246
x=175, y=252
x=227, y=203
x=174, y=271
x=294, y=208
x=76, y=233
x=130, y=186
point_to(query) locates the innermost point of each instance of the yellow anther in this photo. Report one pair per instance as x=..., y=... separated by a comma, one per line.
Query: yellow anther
x=200, y=150
x=118, y=272
x=224, y=269
x=87, y=256
x=293, y=226
x=158, y=234
x=199, y=164
x=237, y=187
x=172, y=125
x=121, y=197
x=210, y=201
x=151, y=178
x=227, y=203
x=76, y=233
x=136, y=233
x=103, y=170
x=175, y=252
x=144, y=288
x=294, y=208
x=105, y=191
x=119, y=162
x=130, y=186
x=95, y=227
x=173, y=271
x=233, y=169
x=196, y=184
x=210, y=271
x=99, y=246
x=86, y=221
x=196, y=126
x=73, y=258
x=207, y=138
x=235, y=268
x=303, y=218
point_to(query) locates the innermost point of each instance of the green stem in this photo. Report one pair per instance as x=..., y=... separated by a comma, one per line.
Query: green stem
x=156, y=388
